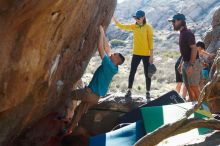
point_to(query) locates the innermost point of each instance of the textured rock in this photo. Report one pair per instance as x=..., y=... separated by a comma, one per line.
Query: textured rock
x=213, y=87
x=212, y=38
x=103, y=117
x=208, y=38
x=45, y=47
x=215, y=18
x=212, y=41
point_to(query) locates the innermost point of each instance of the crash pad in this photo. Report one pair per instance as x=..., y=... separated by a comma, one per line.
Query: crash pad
x=154, y=117
x=125, y=136
x=171, y=97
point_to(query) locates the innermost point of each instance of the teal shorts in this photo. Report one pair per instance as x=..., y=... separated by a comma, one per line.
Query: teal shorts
x=205, y=74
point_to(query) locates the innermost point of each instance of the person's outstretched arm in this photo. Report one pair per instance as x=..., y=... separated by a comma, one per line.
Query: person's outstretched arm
x=107, y=47
x=210, y=56
x=129, y=27
x=101, y=42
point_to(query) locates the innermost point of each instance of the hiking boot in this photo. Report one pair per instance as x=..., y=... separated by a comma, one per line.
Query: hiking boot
x=128, y=93
x=148, y=97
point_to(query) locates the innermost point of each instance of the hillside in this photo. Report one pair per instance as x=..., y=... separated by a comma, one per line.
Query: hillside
x=198, y=14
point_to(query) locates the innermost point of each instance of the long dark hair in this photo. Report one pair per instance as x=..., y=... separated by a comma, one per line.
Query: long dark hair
x=183, y=23
x=144, y=21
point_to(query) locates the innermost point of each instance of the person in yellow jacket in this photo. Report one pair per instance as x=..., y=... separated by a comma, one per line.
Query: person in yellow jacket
x=142, y=48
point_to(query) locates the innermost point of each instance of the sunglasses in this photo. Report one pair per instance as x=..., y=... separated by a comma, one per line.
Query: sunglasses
x=137, y=18
x=173, y=21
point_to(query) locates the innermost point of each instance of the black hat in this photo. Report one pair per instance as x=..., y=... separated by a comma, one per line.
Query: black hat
x=178, y=16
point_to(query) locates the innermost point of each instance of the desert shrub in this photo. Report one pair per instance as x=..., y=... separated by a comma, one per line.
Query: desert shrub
x=117, y=43
x=169, y=54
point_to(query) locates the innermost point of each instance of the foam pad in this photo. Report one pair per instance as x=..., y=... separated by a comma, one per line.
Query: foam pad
x=171, y=97
x=154, y=117
x=125, y=136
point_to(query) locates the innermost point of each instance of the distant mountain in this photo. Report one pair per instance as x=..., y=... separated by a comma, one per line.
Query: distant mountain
x=198, y=14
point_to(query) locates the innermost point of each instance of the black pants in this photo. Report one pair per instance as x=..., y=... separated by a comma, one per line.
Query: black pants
x=136, y=59
x=178, y=75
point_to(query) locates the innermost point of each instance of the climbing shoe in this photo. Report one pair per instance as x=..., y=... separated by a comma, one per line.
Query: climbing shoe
x=128, y=93
x=148, y=97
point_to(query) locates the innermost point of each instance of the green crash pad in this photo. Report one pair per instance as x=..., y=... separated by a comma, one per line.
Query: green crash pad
x=154, y=117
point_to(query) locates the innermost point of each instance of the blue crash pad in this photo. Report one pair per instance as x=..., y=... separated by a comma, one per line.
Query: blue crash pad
x=125, y=136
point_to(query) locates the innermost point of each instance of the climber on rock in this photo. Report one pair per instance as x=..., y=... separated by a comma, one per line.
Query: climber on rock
x=100, y=82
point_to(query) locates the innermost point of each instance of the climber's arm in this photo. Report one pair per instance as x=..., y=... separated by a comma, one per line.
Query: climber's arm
x=101, y=42
x=107, y=47
x=128, y=27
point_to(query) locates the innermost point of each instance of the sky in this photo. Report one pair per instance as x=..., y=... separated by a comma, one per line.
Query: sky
x=120, y=1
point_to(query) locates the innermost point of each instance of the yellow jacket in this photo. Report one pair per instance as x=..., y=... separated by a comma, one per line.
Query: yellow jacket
x=142, y=38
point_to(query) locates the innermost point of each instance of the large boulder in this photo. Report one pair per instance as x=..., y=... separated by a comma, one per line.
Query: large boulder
x=212, y=37
x=103, y=117
x=212, y=41
x=44, y=49
x=213, y=87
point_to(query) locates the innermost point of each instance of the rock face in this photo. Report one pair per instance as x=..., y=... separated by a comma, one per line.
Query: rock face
x=213, y=87
x=45, y=47
x=103, y=117
x=212, y=38
x=212, y=42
